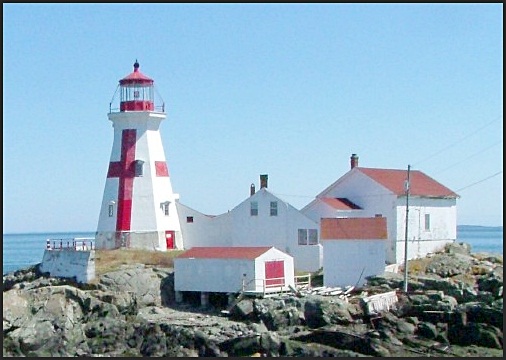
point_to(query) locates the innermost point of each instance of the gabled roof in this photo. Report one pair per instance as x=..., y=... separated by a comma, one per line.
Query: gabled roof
x=221, y=252
x=340, y=203
x=353, y=228
x=420, y=184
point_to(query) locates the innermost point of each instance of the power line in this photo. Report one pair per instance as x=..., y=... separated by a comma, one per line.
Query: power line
x=458, y=141
x=479, y=181
x=469, y=157
x=372, y=195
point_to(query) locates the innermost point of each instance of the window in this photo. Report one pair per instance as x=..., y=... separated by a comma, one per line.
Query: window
x=302, y=237
x=139, y=167
x=312, y=236
x=165, y=207
x=253, y=208
x=189, y=219
x=308, y=236
x=427, y=222
x=111, y=210
x=274, y=208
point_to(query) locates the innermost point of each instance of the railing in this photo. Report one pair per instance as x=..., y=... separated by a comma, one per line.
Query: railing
x=266, y=285
x=75, y=244
x=303, y=281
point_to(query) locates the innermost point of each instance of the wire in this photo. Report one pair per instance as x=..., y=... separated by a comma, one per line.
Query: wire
x=458, y=141
x=469, y=157
x=479, y=181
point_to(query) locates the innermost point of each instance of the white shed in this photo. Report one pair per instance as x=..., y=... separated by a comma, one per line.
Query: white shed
x=353, y=248
x=233, y=269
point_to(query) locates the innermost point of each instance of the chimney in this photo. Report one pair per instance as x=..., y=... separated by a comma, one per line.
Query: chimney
x=252, y=190
x=263, y=181
x=354, y=160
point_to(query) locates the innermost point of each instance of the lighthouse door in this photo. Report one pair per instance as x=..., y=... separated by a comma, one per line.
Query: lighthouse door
x=169, y=238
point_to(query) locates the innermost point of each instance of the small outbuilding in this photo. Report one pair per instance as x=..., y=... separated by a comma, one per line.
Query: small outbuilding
x=254, y=270
x=353, y=249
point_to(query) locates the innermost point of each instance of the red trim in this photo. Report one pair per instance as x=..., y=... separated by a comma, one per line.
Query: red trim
x=137, y=105
x=161, y=168
x=124, y=169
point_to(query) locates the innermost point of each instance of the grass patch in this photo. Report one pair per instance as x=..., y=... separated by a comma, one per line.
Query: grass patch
x=418, y=266
x=110, y=260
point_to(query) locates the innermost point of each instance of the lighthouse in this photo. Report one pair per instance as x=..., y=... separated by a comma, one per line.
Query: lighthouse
x=138, y=206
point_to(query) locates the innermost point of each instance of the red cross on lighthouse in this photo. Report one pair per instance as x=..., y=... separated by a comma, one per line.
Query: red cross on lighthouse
x=125, y=171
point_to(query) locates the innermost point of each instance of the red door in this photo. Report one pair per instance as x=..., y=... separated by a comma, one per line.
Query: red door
x=274, y=273
x=169, y=238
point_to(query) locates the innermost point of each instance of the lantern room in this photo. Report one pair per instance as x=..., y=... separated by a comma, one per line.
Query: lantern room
x=137, y=92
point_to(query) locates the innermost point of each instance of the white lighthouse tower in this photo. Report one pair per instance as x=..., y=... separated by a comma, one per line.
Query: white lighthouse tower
x=138, y=207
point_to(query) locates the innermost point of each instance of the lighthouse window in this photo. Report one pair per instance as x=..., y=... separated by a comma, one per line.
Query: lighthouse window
x=111, y=210
x=139, y=167
x=165, y=207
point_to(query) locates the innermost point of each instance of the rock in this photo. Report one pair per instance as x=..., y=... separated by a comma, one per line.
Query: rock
x=458, y=248
x=132, y=312
x=243, y=309
x=427, y=330
x=476, y=334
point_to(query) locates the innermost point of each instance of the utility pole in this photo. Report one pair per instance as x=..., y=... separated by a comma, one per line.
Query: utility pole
x=406, y=187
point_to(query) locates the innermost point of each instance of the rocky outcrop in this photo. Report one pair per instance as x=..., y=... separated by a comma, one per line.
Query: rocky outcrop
x=454, y=308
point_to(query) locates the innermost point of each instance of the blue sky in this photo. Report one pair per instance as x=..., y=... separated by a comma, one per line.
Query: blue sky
x=285, y=90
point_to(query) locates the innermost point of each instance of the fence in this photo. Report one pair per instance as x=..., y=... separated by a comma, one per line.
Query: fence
x=75, y=244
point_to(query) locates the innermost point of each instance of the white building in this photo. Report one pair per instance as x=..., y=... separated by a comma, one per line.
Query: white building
x=138, y=206
x=233, y=270
x=370, y=192
x=261, y=220
x=353, y=249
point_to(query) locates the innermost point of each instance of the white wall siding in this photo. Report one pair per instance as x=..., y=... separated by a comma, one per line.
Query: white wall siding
x=205, y=230
x=69, y=263
x=228, y=275
x=443, y=226
x=238, y=228
x=349, y=262
x=212, y=275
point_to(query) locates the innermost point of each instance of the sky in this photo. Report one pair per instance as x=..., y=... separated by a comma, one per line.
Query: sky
x=287, y=90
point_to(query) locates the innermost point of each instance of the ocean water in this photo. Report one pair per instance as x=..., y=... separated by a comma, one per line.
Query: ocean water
x=24, y=250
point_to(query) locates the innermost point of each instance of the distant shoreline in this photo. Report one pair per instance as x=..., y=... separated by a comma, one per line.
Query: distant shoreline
x=459, y=227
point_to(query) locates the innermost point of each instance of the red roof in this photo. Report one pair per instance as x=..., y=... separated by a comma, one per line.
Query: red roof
x=250, y=252
x=136, y=77
x=420, y=184
x=340, y=203
x=353, y=228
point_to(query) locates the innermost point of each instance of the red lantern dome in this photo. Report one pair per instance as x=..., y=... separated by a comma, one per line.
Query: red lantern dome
x=137, y=91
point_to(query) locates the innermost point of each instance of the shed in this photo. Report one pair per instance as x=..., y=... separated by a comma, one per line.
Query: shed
x=258, y=270
x=353, y=248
